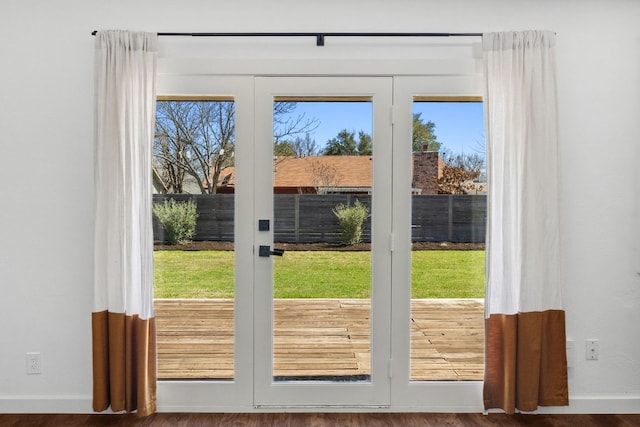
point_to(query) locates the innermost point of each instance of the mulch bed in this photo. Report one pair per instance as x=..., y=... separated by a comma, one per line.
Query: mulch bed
x=228, y=246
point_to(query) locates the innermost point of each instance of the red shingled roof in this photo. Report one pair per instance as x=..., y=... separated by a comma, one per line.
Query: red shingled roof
x=336, y=173
x=301, y=172
x=349, y=171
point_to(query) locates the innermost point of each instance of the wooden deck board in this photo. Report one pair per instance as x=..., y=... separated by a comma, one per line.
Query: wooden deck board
x=320, y=337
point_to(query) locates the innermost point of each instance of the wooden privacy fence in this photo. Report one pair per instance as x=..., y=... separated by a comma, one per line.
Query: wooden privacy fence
x=307, y=218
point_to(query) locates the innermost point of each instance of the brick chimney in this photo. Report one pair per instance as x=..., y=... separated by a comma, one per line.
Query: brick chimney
x=426, y=169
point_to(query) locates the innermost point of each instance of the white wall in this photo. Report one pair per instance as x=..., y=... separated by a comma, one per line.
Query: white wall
x=46, y=168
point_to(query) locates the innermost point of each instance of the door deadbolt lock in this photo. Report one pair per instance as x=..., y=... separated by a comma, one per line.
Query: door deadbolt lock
x=265, y=251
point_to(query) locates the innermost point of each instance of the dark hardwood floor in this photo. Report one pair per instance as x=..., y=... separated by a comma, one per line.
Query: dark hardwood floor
x=321, y=420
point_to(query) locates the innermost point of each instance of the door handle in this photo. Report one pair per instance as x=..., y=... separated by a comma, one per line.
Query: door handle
x=265, y=251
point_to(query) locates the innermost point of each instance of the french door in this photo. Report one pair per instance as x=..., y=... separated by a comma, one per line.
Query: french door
x=332, y=350
x=329, y=350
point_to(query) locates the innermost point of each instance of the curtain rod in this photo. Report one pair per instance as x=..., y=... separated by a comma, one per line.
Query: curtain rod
x=319, y=36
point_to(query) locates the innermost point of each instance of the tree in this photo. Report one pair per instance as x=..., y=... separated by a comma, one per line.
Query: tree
x=423, y=134
x=194, y=138
x=364, y=144
x=197, y=139
x=460, y=173
x=298, y=147
x=306, y=146
x=345, y=144
x=284, y=149
x=324, y=176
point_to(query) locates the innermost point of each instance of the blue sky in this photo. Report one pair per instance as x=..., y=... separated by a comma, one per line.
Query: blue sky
x=459, y=125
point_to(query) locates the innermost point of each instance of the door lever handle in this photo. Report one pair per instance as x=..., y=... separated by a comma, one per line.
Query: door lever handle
x=265, y=251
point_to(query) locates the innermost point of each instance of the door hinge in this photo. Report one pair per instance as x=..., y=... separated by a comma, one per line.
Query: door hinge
x=390, y=368
x=392, y=242
x=392, y=115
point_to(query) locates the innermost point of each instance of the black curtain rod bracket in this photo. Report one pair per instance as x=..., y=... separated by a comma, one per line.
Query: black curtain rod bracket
x=320, y=37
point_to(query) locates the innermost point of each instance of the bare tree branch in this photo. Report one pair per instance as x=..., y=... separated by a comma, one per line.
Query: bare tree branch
x=324, y=176
x=287, y=126
x=197, y=139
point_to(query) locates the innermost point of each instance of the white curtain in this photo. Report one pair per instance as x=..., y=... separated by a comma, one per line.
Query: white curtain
x=525, y=356
x=123, y=318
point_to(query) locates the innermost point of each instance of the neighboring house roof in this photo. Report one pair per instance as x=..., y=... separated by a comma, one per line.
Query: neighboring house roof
x=323, y=171
x=227, y=177
x=338, y=174
x=314, y=171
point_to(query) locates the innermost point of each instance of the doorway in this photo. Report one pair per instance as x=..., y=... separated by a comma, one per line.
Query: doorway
x=355, y=351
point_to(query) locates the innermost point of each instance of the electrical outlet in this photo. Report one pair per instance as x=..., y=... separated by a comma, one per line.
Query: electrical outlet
x=34, y=364
x=591, y=349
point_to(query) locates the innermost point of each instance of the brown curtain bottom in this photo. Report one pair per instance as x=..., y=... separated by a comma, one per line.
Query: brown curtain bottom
x=526, y=361
x=124, y=363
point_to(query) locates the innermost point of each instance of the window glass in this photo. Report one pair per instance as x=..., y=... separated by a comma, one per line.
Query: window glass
x=194, y=185
x=448, y=229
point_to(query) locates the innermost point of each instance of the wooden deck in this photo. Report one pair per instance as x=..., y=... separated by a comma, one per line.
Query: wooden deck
x=320, y=338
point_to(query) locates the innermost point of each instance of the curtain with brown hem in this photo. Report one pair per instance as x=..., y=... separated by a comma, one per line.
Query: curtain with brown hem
x=525, y=361
x=525, y=355
x=123, y=322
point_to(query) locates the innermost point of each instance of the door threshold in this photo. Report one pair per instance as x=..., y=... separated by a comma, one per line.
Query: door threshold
x=323, y=378
x=322, y=408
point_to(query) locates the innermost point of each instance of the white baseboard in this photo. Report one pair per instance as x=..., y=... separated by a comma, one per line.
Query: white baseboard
x=83, y=405
x=597, y=405
x=46, y=405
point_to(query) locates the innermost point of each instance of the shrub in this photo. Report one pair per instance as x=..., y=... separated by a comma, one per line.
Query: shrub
x=350, y=219
x=178, y=219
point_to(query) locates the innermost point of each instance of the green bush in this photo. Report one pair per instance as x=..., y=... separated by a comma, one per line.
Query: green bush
x=350, y=219
x=178, y=219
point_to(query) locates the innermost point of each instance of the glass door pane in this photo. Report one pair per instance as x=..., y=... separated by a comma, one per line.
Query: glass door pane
x=448, y=219
x=194, y=185
x=322, y=203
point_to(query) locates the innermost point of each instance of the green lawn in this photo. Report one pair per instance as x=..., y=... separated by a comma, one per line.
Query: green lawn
x=318, y=274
